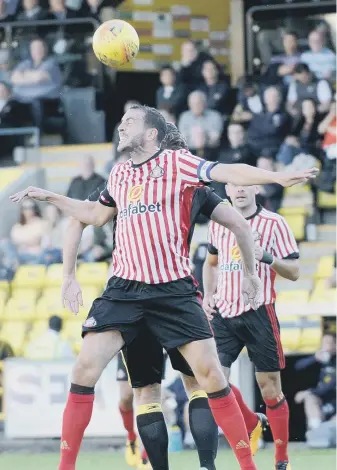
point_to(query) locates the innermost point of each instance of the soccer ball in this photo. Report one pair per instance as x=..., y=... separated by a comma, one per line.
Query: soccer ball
x=115, y=42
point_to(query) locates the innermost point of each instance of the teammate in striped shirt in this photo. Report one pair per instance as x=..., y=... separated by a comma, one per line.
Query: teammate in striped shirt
x=152, y=195
x=235, y=323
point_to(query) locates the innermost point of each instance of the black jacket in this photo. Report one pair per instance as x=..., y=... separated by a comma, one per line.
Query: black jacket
x=80, y=188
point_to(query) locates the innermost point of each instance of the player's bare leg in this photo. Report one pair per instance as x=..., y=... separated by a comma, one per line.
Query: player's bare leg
x=201, y=422
x=151, y=426
x=277, y=414
x=132, y=454
x=255, y=422
x=97, y=351
x=203, y=359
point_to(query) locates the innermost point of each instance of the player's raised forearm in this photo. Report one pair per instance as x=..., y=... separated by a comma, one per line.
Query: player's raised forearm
x=70, y=248
x=287, y=268
x=241, y=174
x=225, y=215
x=83, y=211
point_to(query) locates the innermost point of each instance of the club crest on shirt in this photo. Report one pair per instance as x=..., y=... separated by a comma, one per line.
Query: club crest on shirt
x=135, y=193
x=157, y=172
x=236, y=255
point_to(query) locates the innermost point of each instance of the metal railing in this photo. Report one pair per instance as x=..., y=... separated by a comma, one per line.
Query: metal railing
x=288, y=7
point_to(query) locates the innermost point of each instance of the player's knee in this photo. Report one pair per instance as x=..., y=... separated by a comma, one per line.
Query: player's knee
x=148, y=394
x=86, y=372
x=211, y=377
x=270, y=385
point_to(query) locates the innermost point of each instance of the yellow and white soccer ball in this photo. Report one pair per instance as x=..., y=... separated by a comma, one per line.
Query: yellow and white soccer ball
x=115, y=42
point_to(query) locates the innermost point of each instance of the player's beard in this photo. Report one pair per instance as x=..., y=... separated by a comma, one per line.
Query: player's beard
x=135, y=145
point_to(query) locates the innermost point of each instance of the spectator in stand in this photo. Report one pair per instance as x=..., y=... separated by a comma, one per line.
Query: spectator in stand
x=59, y=11
x=9, y=117
x=327, y=128
x=320, y=401
x=4, y=12
x=320, y=60
x=268, y=129
x=171, y=95
x=191, y=65
x=215, y=88
x=201, y=127
x=26, y=244
x=37, y=82
x=53, y=243
x=5, y=75
x=306, y=86
x=86, y=182
x=249, y=101
x=50, y=345
x=270, y=195
x=282, y=66
x=304, y=136
x=32, y=11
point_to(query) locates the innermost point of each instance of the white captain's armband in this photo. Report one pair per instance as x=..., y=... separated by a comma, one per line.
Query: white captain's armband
x=204, y=170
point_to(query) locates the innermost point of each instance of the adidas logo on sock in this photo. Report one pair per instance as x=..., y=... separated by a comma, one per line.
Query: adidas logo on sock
x=64, y=445
x=241, y=445
x=278, y=442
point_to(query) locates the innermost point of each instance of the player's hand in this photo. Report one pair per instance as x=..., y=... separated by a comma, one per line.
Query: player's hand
x=300, y=396
x=71, y=295
x=31, y=192
x=252, y=291
x=208, y=305
x=291, y=178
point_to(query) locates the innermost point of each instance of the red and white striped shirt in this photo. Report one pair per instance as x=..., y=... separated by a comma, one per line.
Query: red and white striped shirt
x=154, y=201
x=273, y=234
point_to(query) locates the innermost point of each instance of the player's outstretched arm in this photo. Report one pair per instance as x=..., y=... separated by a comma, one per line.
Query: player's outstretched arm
x=71, y=291
x=87, y=212
x=241, y=174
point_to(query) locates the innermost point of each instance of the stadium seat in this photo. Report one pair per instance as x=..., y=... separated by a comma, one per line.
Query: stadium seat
x=29, y=276
x=323, y=296
x=19, y=309
x=71, y=332
x=3, y=298
x=37, y=328
x=4, y=286
x=325, y=267
x=26, y=293
x=296, y=219
x=54, y=275
x=14, y=333
x=49, y=305
x=92, y=274
x=326, y=200
x=300, y=334
x=8, y=175
x=293, y=297
x=290, y=333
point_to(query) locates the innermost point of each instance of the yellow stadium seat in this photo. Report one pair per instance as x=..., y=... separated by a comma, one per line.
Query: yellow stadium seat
x=92, y=274
x=323, y=296
x=293, y=297
x=29, y=276
x=8, y=175
x=297, y=189
x=52, y=292
x=38, y=327
x=325, y=267
x=296, y=223
x=49, y=305
x=326, y=200
x=19, y=309
x=4, y=286
x=71, y=332
x=311, y=334
x=54, y=276
x=14, y=333
x=290, y=333
x=300, y=333
x=285, y=211
x=31, y=294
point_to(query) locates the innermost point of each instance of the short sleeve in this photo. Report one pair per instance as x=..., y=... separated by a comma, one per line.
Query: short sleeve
x=285, y=246
x=211, y=240
x=106, y=199
x=194, y=169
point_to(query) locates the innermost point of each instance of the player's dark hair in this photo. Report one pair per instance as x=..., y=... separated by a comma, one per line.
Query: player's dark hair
x=173, y=139
x=290, y=33
x=36, y=209
x=300, y=68
x=153, y=120
x=168, y=67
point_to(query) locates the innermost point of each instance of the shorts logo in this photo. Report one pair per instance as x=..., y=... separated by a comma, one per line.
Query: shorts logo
x=135, y=193
x=157, y=172
x=90, y=322
x=236, y=255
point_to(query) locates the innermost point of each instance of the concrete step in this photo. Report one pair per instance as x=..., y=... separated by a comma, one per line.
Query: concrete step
x=309, y=250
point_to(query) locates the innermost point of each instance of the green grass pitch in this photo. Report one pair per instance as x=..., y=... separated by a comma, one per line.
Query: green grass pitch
x=300, y=460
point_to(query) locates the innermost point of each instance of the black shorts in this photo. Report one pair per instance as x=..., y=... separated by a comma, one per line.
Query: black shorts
x=258, y=331
x=171, y=311
x=143, y=362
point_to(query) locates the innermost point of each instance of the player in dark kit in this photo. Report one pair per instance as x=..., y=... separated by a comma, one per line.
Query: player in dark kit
x=236, y=324
x=151, y=284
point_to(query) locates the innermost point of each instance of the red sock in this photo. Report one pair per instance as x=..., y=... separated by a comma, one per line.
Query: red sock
x=76, y=417
x=229, y=418
x=128, y=421
x=144, y=455
x=278, y=417
x=249, y=416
